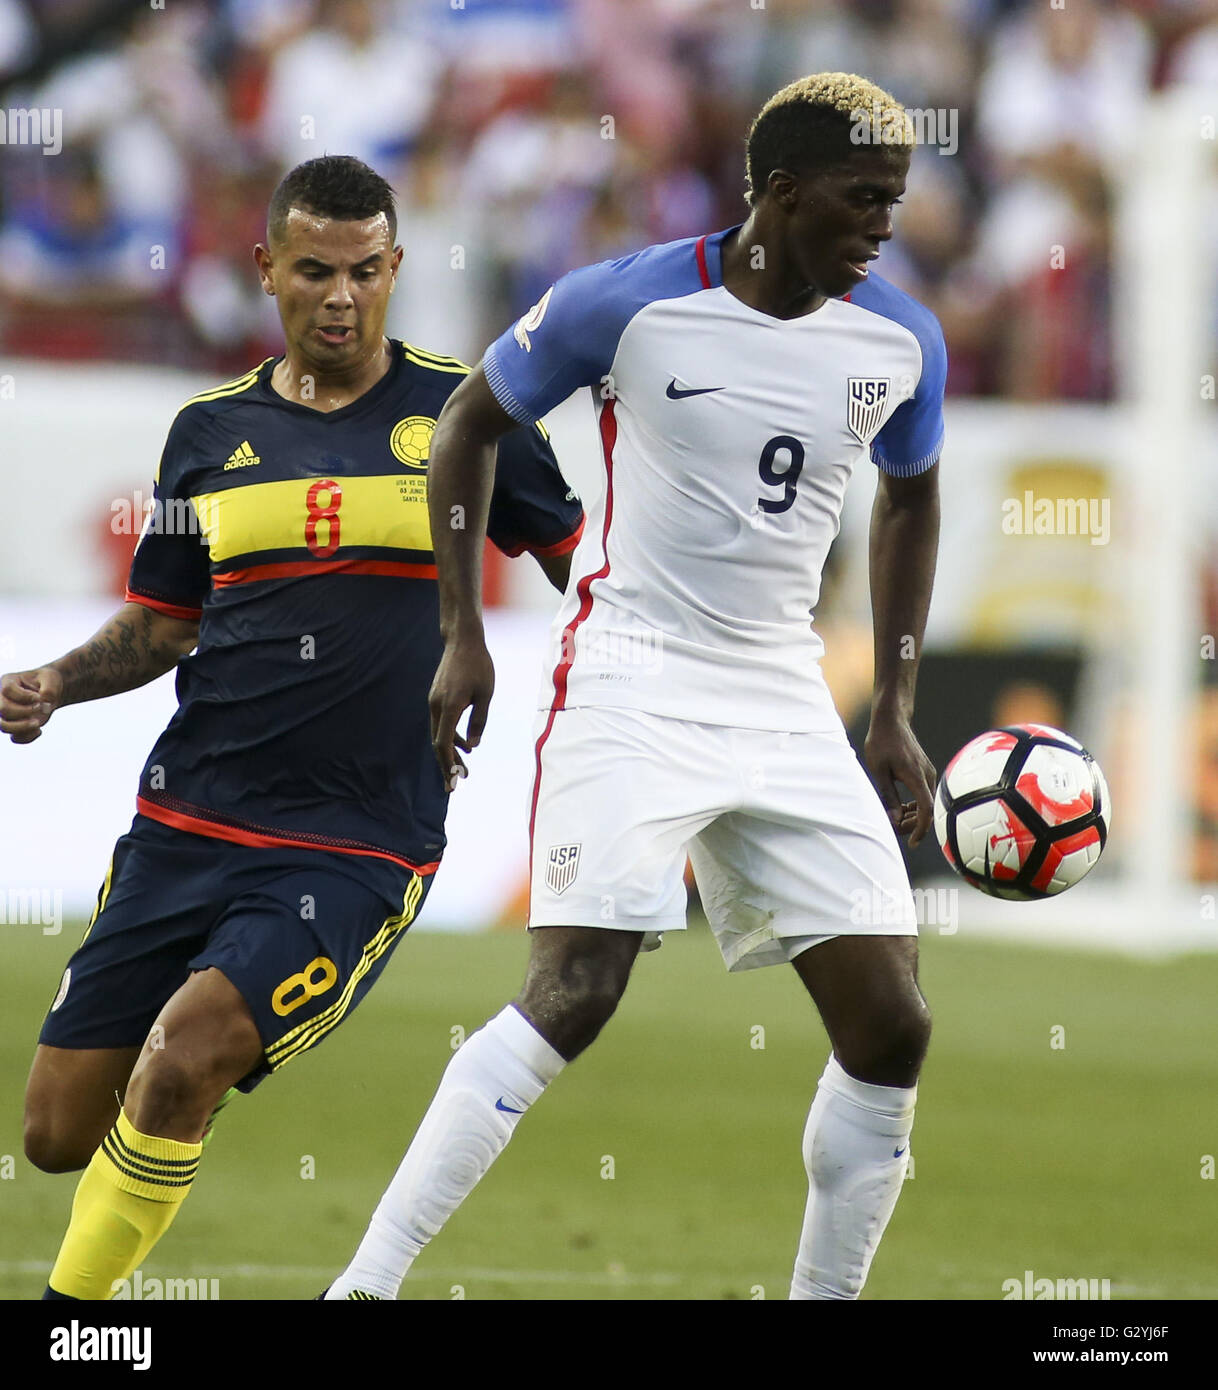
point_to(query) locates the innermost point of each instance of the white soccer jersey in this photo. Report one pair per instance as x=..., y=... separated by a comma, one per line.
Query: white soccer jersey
x=728, y=439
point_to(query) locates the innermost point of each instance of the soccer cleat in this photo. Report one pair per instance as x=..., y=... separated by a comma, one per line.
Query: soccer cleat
x=211, y=1121
x=356, y=1295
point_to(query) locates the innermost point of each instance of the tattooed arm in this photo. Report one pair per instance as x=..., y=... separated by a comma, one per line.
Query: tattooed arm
x=134, y=647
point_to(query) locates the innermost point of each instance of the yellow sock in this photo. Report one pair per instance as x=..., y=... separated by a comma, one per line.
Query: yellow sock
x=124, y=1203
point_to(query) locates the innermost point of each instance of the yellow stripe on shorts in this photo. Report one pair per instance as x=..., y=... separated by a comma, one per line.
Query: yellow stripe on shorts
x=304, y=1035
x=102, y=894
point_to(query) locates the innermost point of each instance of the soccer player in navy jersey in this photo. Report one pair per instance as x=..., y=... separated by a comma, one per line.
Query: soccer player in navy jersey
x=738, y=378
x=291, y=816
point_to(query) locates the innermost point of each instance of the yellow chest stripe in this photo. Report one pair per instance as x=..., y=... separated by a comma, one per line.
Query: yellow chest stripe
x=386, y=510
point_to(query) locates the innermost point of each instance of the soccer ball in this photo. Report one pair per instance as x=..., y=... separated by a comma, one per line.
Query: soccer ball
x=1022, y=812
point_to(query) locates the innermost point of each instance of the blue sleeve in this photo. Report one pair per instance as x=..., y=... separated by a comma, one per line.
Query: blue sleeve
x=532, y=506
x=912, y=438
x=171, y=567
x=569, y=338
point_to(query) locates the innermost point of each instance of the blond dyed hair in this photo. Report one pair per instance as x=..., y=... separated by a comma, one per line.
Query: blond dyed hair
x=870, y=115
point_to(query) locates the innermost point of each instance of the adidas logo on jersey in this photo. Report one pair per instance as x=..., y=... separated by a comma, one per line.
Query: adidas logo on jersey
x=242, y=457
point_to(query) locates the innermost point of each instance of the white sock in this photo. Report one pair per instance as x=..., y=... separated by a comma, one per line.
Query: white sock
x=493, y=1079
x=856, y=1151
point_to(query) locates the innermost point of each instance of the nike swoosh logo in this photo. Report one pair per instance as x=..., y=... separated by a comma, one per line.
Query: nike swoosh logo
x=674, y=392
x=896, y=1153
x=499, y=1105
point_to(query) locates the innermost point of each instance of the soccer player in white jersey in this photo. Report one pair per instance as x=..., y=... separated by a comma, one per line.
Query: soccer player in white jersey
x=738, y=378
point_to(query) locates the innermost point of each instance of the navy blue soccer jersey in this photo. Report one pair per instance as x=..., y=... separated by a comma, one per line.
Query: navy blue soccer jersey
x=300, y=540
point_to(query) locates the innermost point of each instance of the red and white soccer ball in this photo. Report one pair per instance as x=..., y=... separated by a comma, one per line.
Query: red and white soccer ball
x=1022, y=812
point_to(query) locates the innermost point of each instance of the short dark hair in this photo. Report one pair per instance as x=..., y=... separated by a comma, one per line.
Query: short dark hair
x=333, y=185
x=808, y=126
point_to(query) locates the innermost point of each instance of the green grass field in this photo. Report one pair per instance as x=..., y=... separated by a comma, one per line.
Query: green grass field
x=1078, y=1162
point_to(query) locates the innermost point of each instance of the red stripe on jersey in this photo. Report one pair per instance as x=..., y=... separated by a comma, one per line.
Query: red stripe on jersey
x=558, y=548
x=563, y=547
x=217, y=830
x=700, y=252
x=294, y=568
x=171, y=610
x=608, y=429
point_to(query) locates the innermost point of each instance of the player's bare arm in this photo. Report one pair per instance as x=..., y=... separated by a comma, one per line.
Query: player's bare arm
x=904, y=544
x=460, y=480
x=133, y=647
x=557, y=569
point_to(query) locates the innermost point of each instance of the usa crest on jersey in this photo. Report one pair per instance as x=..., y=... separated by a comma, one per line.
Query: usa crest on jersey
x=866, y=398
x=561, y=867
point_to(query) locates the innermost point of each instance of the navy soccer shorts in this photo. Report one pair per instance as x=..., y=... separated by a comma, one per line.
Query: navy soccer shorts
x=301, y=933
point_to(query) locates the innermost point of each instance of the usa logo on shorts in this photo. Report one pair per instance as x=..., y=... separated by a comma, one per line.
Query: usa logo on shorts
x=561, y=867
x=866, y=397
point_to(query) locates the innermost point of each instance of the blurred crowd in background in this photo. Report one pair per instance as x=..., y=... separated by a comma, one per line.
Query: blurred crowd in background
x=526, y=137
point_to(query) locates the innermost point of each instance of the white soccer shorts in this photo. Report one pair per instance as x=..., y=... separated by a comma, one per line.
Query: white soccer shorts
x=789, y=842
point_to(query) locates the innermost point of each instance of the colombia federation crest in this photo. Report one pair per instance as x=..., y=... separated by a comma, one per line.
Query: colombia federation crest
x=410, y=440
